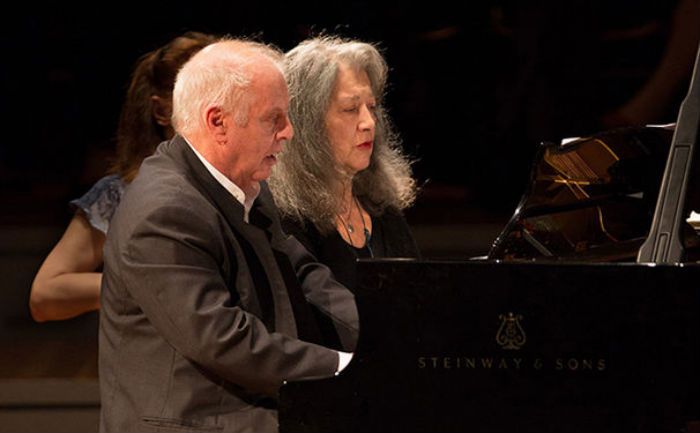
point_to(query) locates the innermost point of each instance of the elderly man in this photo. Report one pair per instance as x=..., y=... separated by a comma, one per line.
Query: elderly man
x=206, y=304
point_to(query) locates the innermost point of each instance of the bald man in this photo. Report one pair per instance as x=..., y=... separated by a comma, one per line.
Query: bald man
x=206, y=304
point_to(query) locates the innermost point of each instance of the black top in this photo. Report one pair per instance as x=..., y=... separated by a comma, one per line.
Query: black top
x=391, y=237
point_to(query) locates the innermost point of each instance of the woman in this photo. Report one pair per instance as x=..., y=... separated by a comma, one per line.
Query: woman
x=68, y=282
x=342, y=181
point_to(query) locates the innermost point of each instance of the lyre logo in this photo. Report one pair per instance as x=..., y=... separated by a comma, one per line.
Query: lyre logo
x=510, y=335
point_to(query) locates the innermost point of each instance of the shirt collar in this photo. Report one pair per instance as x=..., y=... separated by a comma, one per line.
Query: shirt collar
x=231, y=187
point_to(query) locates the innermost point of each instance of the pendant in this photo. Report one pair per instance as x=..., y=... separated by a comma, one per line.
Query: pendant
x=351, y=229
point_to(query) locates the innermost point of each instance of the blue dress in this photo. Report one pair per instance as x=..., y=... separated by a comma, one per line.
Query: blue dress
x=100, y=202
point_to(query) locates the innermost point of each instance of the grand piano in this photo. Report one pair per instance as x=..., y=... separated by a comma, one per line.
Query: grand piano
x=584, y=317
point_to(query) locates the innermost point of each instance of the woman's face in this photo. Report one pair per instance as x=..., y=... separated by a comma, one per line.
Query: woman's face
x=350, y=120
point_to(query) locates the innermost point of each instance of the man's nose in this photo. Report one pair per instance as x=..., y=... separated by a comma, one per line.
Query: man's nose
x=287, y=132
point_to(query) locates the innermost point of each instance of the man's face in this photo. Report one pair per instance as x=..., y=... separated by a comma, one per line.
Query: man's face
x=253, y=147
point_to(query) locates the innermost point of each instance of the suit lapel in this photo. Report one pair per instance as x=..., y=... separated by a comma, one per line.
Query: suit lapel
x=282, y=303
x=251, y=240
x=264, y=214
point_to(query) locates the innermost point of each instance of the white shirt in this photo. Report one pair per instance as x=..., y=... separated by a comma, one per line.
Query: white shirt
x=344, y=359
x=231, y=187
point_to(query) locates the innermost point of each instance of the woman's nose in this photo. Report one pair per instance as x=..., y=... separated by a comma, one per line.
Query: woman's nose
x=366, y=119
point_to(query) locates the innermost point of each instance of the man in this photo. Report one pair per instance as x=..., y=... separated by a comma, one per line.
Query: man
x=204, y=299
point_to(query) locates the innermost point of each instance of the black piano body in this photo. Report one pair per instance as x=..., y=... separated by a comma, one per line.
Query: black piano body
x=491, y=346
x=557, y=330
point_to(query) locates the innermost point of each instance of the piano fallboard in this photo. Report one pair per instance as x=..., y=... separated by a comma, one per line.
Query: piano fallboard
x=490, y=346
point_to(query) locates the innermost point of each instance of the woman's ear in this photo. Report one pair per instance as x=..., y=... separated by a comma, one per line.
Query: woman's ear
x=162, y=110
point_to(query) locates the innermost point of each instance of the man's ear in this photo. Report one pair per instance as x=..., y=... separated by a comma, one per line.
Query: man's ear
x=162, y=110
x=217, y=123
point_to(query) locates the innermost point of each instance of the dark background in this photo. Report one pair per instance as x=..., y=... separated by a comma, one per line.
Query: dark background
x=473, y=88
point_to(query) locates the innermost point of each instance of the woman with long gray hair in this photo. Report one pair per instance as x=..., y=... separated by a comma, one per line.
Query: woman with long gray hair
x=342, y=181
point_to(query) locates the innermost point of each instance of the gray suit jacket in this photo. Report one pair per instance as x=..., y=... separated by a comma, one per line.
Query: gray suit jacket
x=200, y=316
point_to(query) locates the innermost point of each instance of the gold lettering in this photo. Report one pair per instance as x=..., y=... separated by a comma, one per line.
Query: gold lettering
x=572, y=364
x=537, y=364
x=601, y=364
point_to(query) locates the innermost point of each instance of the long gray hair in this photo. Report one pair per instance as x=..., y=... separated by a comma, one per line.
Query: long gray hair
x=302, y=181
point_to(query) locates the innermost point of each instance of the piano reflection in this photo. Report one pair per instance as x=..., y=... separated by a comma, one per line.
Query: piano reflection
x=591, y=199
x=585, y=317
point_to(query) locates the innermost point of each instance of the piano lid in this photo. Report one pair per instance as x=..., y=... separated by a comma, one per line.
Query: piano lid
x=665, y=243
x=620, y=195
x=590, y=199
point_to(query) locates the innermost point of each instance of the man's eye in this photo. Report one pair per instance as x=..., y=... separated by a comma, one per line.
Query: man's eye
x=277, y=124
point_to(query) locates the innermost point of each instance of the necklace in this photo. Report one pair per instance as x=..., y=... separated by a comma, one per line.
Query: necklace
x=347, y=225
x=349, y=229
